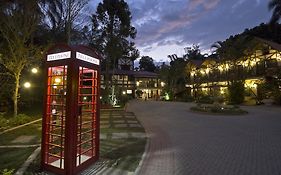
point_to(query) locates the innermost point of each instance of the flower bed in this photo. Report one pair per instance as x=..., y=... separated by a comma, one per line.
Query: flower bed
x=218, y=109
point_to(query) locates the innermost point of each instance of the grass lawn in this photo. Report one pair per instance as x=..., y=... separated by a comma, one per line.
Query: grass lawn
x=24, y=116
x=30, y=130
x=13, y=158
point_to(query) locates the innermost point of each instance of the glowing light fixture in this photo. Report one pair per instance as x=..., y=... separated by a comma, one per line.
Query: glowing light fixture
x=279, y=57
x=124, y=92
x=27, y=85
x=138, y=83
x=207, y=70
x=167, y=96
x=252, y=63
x=34, y=70
x=205, y=89
x=162, y=84
x=57, y=80
x=226, y=66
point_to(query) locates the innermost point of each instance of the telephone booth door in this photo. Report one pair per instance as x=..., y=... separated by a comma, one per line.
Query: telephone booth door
x=55, y=116
x=87, y=139
x=70, y=127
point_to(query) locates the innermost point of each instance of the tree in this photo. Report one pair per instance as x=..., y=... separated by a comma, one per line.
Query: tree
x=173, y=75
x=18, y=21
x=275, y=7
x=64, y=17
x=236, y=92
x=112, y=35
x=215, y=47
x=147, y=64
x=193, y=53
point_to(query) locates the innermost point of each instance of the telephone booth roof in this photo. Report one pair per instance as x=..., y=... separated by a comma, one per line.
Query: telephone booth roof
x=61, y=54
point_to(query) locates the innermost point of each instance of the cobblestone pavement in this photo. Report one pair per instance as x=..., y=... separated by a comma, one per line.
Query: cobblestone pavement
x=183, y=142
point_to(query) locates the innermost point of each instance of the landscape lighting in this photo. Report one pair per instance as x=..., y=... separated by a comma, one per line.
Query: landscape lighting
x=27, y=85
x=34, y=70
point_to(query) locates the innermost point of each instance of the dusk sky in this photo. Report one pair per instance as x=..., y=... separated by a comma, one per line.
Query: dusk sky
x=168, y=26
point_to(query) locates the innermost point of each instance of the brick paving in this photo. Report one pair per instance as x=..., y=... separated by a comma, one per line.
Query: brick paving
x=182, y=142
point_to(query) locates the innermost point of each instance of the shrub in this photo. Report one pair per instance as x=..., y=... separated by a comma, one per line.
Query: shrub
x=206, y=99
x=236, y=92
x=216, y=109
x=3, y=122
x=8, y=172
x=14, y=121
x=19, y=120
x=139, y=93
x=124, y=99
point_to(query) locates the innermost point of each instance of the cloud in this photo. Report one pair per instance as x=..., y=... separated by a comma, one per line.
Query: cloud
x=206, y=4
x=167, y=26
x=166, y=18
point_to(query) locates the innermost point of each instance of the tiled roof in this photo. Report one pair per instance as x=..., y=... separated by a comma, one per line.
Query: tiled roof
x=145, y=74
x=270, y=43
x=138, y=74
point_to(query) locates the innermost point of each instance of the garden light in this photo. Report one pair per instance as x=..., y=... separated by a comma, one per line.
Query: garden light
x=34, y=70
x=167, y=96
x=27, y=85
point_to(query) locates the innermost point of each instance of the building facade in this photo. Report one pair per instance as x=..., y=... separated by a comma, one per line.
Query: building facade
x=212, y=77
x=134, y=84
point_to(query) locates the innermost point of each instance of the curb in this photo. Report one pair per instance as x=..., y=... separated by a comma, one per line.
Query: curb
x=28, y=161
x=112, y=109
x=144, y=156
x=19, y=146
x=11, y=129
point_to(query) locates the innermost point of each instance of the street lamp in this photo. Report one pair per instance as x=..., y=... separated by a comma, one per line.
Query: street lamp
x=27, y=85
x=34, y=70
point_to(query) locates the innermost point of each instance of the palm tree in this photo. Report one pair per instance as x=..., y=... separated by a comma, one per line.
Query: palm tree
x=216, y=45
x=216, y=48
x=275, y=6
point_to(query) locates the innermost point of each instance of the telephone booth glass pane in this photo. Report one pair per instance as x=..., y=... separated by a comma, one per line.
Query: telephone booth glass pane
x=55, y=116
x=87, y=116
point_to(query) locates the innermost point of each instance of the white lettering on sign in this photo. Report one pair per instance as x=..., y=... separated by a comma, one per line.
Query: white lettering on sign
x=87, y=58
x=129, y=91
x=59, y=56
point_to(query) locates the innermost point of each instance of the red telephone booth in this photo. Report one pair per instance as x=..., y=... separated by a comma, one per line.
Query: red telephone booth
x=70, y=130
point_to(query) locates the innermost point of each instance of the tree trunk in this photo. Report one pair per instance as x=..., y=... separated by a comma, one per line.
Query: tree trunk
x=15, y=95
x=106, y=80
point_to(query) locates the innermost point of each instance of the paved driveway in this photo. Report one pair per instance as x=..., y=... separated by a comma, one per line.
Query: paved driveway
x=182, y=142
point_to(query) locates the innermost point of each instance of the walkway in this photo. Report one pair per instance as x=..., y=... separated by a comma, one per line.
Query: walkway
x=182, y=142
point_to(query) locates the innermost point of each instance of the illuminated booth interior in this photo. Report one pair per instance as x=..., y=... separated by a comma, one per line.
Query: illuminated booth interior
x=70, y=136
